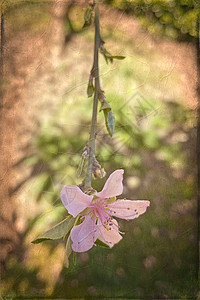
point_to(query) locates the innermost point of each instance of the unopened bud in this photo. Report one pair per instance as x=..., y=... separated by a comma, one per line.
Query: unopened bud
x=99, y=172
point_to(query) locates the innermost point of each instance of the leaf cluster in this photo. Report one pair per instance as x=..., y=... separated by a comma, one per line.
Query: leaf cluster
x=109, y=57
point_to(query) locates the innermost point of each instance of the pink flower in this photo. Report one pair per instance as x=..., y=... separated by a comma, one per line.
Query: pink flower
x=98, y=219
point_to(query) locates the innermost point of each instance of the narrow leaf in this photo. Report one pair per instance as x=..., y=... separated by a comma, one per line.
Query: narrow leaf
x=69, y=243
x=110, y=121
x=88, y=17
x=40, y=240
x=101, y=244
x=90, y=88
x=106, y=54
x=57, y=232
x=110, y=58
x=74, y=258
x=105, y=57
x=68, y=251
x=118, y=57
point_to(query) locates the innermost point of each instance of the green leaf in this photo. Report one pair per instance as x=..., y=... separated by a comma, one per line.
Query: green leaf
x=110, y=121
x=109, y=57
x=105, y=105
x=101, y=244
x=106, y=54
x=90, y=88
x=74, y=258
x=88, y=17
x=57, y=232
x=37, y=241
x=68, y=251
x=105, y=57
x=108, y=114
x=69, y=244
x=118, y=57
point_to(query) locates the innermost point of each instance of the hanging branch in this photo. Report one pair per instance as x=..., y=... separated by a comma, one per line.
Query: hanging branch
x=97, y=90
x=89, y=213
x=93, y=165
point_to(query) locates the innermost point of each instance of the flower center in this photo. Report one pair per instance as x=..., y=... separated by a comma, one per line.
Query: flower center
x=98, y=210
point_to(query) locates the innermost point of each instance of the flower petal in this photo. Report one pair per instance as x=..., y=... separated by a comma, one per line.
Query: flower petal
x=84, y=235
x=74, y=199
x=113, y=186
x=112, y=236
x=128, y=209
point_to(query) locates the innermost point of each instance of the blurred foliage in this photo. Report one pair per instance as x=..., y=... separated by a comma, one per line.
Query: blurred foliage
x=159, y=246
x=153, y=142
x=172, y=18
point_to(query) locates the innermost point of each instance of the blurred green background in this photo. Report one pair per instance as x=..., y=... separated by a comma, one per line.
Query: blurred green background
x=174, y=19
x=154, y=142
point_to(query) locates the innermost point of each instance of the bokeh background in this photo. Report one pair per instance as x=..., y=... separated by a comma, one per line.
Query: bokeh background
x=45, y=121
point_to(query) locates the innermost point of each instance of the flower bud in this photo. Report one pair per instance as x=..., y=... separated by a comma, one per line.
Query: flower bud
x=99, y=172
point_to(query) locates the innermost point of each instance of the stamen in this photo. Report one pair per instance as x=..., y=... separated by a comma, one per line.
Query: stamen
x=115, y=226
